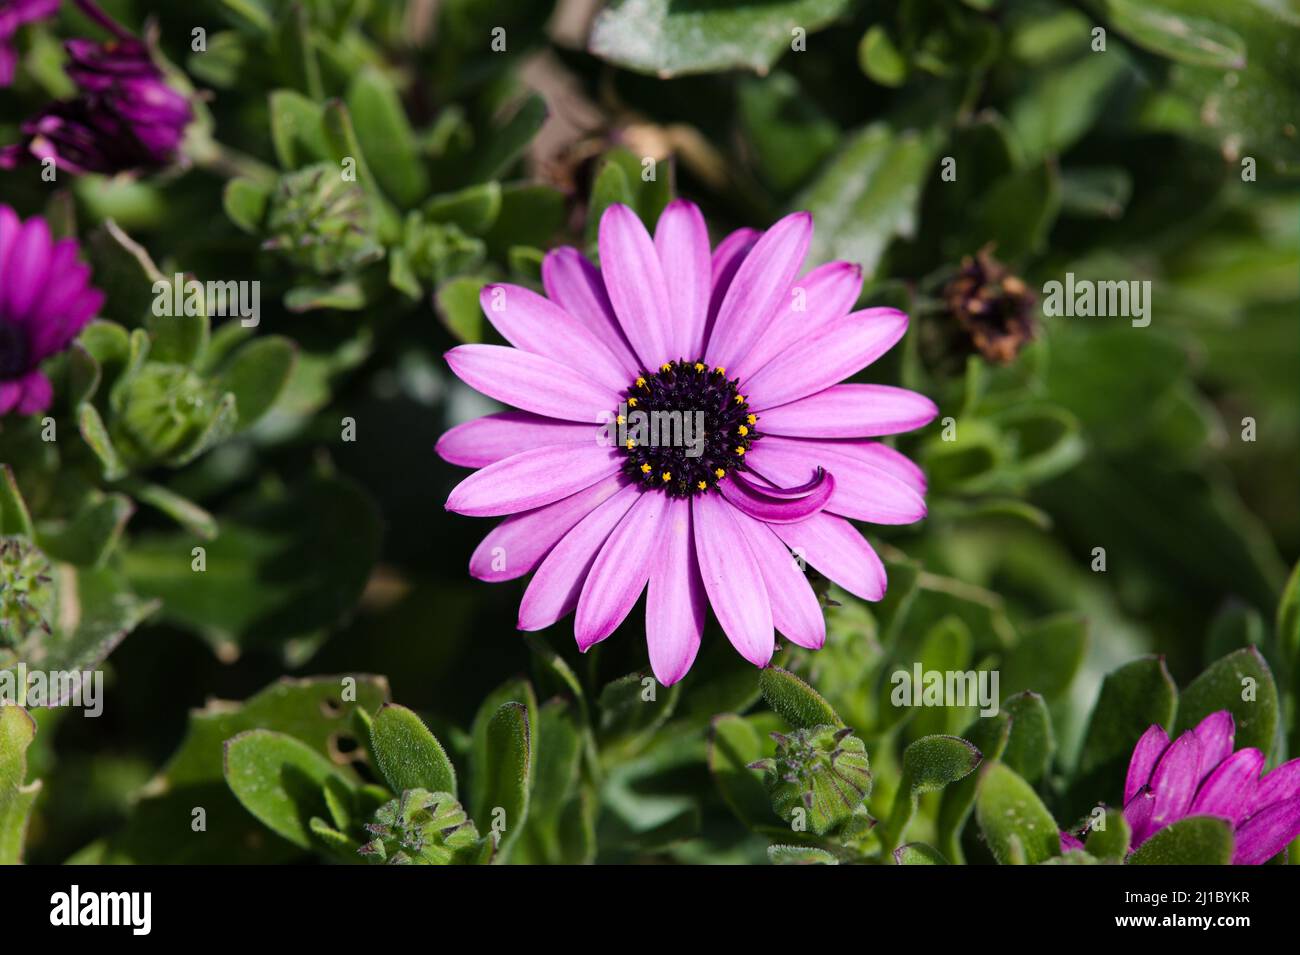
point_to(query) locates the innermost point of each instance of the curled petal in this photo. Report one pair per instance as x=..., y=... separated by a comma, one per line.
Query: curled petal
x=776, y=505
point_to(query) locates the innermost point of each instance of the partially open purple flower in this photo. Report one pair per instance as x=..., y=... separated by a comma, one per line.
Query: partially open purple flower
x=1198, y=774
x=45, y=300
x=127, y=118
x=739, y=358
x=13, y=14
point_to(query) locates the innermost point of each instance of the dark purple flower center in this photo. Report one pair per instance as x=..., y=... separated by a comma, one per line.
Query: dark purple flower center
x=13, y=351
x=684, y=428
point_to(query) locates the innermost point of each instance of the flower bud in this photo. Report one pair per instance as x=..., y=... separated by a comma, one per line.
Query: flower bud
x=822, y=771
x=162, y=411
x=26, y=593
x=322, y=222
x=419, y=828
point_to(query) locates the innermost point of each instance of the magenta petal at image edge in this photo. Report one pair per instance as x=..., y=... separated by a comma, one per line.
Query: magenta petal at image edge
x=45, y=300
x=785, y=461
x=1198, y=774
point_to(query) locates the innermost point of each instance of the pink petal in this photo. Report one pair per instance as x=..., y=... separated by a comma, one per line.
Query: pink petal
x=532, y=478
x=821, y=297
x=575, y=284
x=37, y=393
x=620, y=570
x=489, y=439
x=675, y=599
x=1279, y=784
x=1267, y=833
x=26, y=271
x=10, y=226
x=727, y=257
x=1137, y=813
x=795, y=610
x=827, y=358
x=759, y=288
x=555, y=588
x=863, y=490
x=1174, y=780
x=732, y=579
x=1229, y=789
x=778, y=505
x=635, y=282
x=851, y=411
x=682, y=241
x=1069, y=842
x=520, y=542
x=536, y=324
x=1215, y=734
x=1146, y=754
x=531, y=382
x=837, y=550
x=11, y=392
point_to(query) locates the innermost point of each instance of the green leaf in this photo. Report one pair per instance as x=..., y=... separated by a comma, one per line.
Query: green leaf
x=800, y=855
x=1013, y=819
x=635, y=705
x=382, y=125
x=245, y=203
x=473, y=209
x=1031, y=743
x=557, y=829
x=1131, y=699
x=17, y=730
x=1017, y=211
x=88, y=537
x=918, y=853
x=286, y=567
x=734, y=744
x=1196, y=840
x=880, y=58
x=257, y=374
x=297, y=129
x=1187, y=39
x=867, y=195
x=279, y=780
x=1047, y=656
x=668, y=38
x=1288, y=621
x=409, y=756
x=507, y=772
x=1242, y=684
x=990, y=737
x=457, y=303
x=1063, y=103
x=776, y=111
x=1112, y=841
x=507, y=143
x=14, y=518
x=795, y=701
x=929, y=764
x=512, y=691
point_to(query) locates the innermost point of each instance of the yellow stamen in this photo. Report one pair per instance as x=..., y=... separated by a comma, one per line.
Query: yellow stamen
x=667, y=476
x=640, y=382
x=743, y=430
x=740, y=399
x=740, y=451
x=622, y=420
x=699, y=366
x=752, y=419
x=666, y=366
x=720, y=370
x=720, y=473
x=701, y=485
x=631, y=402
x=630, y=444
x=645, y=469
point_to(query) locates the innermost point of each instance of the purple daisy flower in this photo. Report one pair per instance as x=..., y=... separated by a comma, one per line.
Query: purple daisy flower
x=45, y=300
x=14, y=14
x=1198, y=774
x=126, y=118
x=781, y=460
